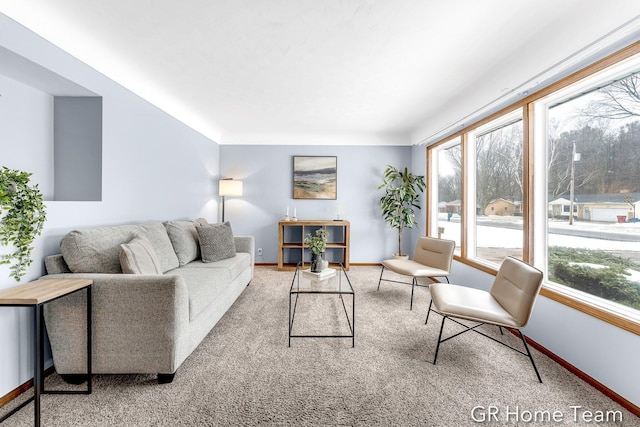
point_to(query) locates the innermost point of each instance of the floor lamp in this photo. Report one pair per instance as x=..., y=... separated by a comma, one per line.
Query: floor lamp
x=229, y=187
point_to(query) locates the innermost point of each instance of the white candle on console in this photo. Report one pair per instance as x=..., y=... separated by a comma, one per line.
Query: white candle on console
x=287, y=210
x=294, y=212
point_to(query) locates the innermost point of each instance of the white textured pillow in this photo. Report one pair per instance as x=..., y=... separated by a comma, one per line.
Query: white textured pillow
x=138, y=257
x=216, y=242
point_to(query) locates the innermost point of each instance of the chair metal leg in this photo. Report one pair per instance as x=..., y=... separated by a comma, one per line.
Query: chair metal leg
x=428, y=312
x=435, y=357
x=530, y=356
x=380, y=280
x=413, y=285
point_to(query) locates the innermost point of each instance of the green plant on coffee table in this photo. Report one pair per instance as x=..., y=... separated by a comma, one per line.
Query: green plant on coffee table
x=318, y=242
x=22, y=217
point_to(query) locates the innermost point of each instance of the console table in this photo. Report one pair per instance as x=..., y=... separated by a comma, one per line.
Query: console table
x=36, y=294
x=292, y=249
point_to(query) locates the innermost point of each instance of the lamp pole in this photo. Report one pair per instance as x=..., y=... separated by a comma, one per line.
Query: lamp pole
x=222, y=208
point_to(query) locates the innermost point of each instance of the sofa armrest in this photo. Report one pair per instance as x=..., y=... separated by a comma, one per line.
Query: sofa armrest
x=55, y=264
x=246, y=244
x=140, y=324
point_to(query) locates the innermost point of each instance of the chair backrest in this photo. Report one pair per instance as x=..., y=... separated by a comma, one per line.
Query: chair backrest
x=516, y=288
x=436, y=253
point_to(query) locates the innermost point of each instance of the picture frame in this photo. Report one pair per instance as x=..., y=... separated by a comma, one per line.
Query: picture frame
x=315, y=177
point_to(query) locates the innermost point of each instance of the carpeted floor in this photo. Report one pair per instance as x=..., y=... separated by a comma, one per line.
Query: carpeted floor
x=243, y=373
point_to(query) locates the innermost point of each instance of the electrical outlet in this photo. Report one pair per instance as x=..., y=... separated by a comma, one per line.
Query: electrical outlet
x=259, y=251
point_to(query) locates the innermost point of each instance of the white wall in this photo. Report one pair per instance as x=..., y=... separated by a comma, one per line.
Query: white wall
x=154, y=168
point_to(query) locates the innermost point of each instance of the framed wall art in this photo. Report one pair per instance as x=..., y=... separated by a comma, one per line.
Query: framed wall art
x=315, y=177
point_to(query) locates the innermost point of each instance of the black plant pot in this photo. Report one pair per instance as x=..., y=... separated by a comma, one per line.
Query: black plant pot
x=316, y=263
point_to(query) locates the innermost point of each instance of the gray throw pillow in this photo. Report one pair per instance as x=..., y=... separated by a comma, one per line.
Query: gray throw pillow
x=184, y=238
x=139, y=257
x=216, y=242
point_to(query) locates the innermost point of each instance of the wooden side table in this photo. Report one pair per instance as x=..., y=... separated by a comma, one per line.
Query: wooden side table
x=36, y=294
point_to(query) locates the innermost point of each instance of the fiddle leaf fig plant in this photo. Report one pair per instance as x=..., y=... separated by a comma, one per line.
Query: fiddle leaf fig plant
x=401, y=197
x=22, y=217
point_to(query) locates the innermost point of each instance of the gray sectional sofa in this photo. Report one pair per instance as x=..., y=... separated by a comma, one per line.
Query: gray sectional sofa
x=142, y=323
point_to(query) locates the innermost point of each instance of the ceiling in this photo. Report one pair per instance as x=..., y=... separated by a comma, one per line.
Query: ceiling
x=389, y=71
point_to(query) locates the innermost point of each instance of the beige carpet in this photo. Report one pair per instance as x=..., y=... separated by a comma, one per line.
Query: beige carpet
x=243, y=373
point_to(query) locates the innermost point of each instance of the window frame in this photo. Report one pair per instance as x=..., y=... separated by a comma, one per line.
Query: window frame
x=506, y=118
x=534, y=207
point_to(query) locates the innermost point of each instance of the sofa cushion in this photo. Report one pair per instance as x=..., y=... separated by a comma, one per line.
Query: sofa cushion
x=97, y=250
x=204, y=286
x=138, y=257
x=234, y=265
x=184, y=238
x=216, y=242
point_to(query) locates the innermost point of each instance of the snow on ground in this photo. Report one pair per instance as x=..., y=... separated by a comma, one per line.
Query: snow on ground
x=496, y=236
x=634, y=276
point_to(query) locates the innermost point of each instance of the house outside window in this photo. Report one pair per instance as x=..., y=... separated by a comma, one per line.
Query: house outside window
x=448, y=194
x=556, y=182
x=496, y=148
x=593, y=164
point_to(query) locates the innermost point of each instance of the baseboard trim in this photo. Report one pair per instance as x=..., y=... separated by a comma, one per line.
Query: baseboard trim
x=585, y=377
x=634, y=409
x=13, y=394
x=352, y=264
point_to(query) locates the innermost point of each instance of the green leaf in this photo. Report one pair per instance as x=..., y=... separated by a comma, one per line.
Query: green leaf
x=22, y=218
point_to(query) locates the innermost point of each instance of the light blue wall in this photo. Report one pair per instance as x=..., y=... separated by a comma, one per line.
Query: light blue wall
x=604, y=352
x=154, y=168
x=267, y=175
x=419, y=166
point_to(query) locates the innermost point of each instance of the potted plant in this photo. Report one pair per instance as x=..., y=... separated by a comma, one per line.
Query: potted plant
x=401, y=197
x=22, y=217
x=317, y=244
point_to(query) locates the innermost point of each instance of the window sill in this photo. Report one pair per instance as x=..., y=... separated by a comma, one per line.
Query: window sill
x=610, y=317
x=613, y=318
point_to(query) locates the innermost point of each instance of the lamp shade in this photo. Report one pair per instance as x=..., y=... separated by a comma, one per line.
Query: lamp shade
x=230, y=187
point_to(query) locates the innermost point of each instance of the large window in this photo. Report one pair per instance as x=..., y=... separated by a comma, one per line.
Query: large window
x=554, y=179
x=593, y=170
x=449, y=192
x=497, y=208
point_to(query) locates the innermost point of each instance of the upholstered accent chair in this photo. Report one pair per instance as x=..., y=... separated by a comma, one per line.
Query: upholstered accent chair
x=431, y=258
x=508, y=304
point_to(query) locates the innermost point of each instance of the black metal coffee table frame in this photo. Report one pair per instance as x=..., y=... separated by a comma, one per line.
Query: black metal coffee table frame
x=340, y=286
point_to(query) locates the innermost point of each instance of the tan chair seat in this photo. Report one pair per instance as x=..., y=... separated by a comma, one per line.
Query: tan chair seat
x=431, y=258
x=508, y=304
x=409, y=267
x=469, y=303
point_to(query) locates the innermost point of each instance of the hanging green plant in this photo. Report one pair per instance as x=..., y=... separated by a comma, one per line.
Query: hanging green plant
x=22, y=217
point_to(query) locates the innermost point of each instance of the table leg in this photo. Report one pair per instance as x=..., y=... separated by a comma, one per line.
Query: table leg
x=89, y=337
x=353, y=320
x=289, y=320
x=38, y=362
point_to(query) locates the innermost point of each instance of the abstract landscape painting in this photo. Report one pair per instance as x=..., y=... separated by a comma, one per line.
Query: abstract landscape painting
x=315, y=177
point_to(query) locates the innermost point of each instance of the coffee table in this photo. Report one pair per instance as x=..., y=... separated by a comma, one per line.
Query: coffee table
x=333, y=281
